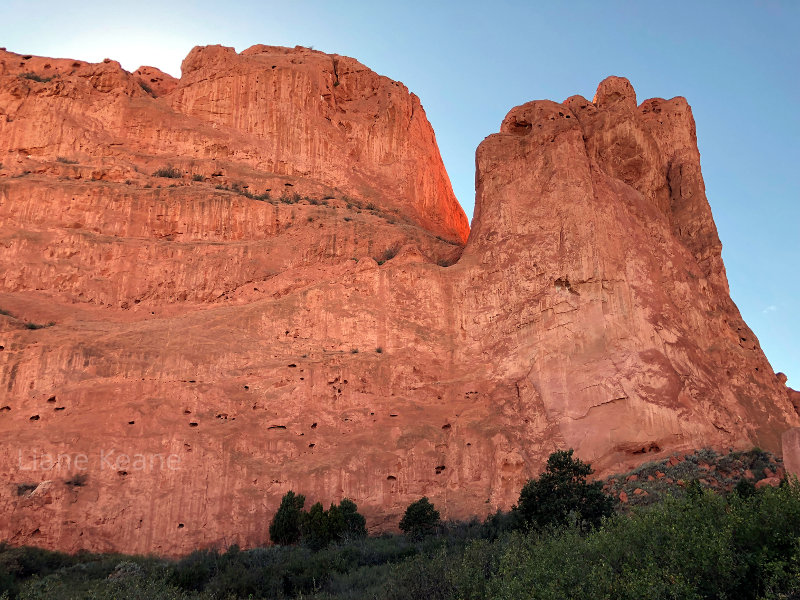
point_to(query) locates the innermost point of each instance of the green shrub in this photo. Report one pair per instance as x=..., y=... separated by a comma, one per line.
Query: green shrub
x=193, y=572
x=420, y=518
x=561, y=493
x=66, y=161
x=168, y=172
x=320, y=527
x=285, y=526
x=745, y=488
x=35, y=77
x=198, y=177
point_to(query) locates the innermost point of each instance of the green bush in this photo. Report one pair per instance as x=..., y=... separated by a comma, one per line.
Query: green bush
x=35, y=77
x=320, y=527
x=285, y=526
x=168, y=172
x=561, y=494
x=420, y=518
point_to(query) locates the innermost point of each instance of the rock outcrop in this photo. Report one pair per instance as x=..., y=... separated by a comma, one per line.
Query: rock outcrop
x=213, y=347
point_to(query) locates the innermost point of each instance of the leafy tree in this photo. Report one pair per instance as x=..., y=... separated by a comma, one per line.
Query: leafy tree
x=316, y=527
x=285, y=526
x=562, y=491
x=355, y=525
x=340, y=522
x=745, y=488
x=420, y=518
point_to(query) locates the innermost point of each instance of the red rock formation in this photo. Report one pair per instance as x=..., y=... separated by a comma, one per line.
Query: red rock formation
x=791, y=451
x=211, y=350
x=267, y=118
x=155, y=81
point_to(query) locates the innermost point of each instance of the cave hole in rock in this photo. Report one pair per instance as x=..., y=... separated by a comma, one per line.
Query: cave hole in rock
x=59, y=408
x=131, y=422
x=51, y=399
x=391, y=478
x=180, y=525
x=446, y=426
x=313, y=426
x=651, y=447
x=277, y=427
x=122, y=473
x=440, y=468
x=311, y=445
x=5, y=408
x=34, y=418
x=193, y=424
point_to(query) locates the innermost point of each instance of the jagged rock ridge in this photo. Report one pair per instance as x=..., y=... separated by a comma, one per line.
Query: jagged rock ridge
x=343, y=343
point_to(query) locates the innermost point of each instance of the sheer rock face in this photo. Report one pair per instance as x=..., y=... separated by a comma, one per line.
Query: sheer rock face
x=212, y=351
x=267, y=117
x=791, y=450
x=623, y=326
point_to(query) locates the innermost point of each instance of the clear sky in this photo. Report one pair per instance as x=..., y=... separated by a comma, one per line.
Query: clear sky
x=737, y=62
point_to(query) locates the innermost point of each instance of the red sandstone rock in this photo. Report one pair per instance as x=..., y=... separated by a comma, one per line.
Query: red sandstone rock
x=623, y=497
x=791, y=451
x=589, y=308
x=768, y=482
x=155, y=81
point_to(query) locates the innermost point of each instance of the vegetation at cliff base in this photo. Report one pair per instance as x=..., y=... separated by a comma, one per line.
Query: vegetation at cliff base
x=562, y=494
x=419, y=519
x=743, y=543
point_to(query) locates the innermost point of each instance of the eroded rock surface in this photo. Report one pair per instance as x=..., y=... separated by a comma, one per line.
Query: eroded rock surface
x=341, y=342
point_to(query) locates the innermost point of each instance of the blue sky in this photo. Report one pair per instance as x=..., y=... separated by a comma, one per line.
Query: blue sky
x=737, y=63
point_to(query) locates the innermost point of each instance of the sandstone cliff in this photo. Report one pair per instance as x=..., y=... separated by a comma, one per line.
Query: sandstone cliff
x=341, y=342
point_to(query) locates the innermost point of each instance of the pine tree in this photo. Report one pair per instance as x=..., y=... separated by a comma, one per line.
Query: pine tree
x=285, y=526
